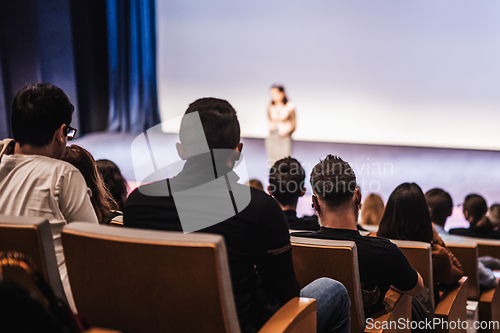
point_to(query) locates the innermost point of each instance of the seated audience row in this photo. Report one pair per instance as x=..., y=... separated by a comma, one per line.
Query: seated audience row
x=35, y=180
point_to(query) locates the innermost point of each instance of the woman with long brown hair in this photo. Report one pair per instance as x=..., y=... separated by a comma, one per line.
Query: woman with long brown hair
x=101, y=199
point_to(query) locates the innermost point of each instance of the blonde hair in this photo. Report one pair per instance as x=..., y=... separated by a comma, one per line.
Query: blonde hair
x=372, y=209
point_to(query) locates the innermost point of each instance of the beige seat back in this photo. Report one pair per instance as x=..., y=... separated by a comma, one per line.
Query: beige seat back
x=150, y=281
x=32, y=236
x=419, y=255
x=467, y=254
x=315, y=258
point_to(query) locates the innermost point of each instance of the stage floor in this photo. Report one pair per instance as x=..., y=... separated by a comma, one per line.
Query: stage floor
x=378, y=168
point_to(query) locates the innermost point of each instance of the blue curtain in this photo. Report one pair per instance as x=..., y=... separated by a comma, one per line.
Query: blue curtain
x=133, y=103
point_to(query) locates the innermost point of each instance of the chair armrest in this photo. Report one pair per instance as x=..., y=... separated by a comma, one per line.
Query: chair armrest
x=452, y=305
x=401, y=308
x=298, y=315
x=489, y=304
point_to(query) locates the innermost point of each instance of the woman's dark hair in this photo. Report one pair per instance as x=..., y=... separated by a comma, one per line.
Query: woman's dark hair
x=114, y=180
x=477, y=208
x=406, y=215
x=281, y=89
x=101, y=199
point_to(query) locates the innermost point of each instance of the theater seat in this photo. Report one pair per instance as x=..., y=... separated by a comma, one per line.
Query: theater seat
x=156, y=281
x=32, y=236
x=315, y=258
x=452, y=303
x=467, y=253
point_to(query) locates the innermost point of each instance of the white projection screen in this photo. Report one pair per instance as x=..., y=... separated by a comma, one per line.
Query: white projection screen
x=396, y=72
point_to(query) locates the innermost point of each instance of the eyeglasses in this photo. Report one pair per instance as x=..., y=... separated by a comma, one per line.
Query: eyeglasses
x=71, y=132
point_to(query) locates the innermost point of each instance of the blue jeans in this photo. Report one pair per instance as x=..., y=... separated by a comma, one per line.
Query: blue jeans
x=332, y=303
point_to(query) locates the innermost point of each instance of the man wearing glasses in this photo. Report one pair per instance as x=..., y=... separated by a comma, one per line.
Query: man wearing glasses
x=33, y=179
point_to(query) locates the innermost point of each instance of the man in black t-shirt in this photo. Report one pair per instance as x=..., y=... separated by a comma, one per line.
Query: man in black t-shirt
x=286, y=185
x=256, y=233
x=336, y=198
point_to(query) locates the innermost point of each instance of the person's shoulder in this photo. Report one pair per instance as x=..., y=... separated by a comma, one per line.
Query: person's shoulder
x=380, y=243
x=290, y=105
x=459, y=231
x=149, y=192
x=307, y=234
x=45, y=164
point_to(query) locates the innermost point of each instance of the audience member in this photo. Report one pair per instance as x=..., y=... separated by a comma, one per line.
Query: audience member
x=407, y=217
x=475, y=209
x=372, y=210
x=257, y=237
x=336, y=198
x=286, y=185
x=101, y=198
x=33, y=180
x=494, y=214
x=114, y=181
x=440, y=208
x=255, y=183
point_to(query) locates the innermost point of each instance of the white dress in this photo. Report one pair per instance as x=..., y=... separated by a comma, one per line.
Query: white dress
x=279, y=142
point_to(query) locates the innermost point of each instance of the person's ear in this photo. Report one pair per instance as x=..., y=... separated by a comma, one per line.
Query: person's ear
x=357, y=196
x=60, y=134
x=180, y=151
x=269, y=190
x=238, y=149
x=466, y=214
x=315, y=204
x=303, y=192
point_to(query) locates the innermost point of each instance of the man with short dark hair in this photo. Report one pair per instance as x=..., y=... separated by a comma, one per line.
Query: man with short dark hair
x=475, y=209
x=286, y=185
x=33, y=181
x=256, y=236
x=440, y=208
x=336, y=198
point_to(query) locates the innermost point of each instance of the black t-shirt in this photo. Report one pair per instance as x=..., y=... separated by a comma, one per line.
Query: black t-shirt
x=257, y=241
x=301, y=223
x=381, y=264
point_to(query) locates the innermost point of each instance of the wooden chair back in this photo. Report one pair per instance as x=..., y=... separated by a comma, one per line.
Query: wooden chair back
x=32, y=236
x=150, y=281
x=419, y=255
x=467, y=254
x=315, y=258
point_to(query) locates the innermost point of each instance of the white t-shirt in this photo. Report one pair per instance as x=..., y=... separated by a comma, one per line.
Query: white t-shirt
x=40, y=186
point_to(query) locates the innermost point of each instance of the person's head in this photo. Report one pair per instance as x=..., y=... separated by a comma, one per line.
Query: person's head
x=114, y=181
x=494, y=214
x=406, y=215
x=278, y=94
x=372, y=209
x=41, y=116
x=334, y=186
x=286, y=181
x=474, y=208
x=440, y=205
x=101, y=199
x=221, y=128
x=255, y=183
